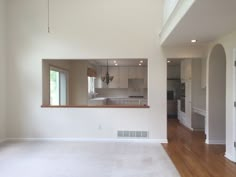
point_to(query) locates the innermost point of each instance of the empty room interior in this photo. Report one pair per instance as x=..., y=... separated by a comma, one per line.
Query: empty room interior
x=117, y=88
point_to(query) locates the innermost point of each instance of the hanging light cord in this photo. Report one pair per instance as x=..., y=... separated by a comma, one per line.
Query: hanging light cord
x=48, y=16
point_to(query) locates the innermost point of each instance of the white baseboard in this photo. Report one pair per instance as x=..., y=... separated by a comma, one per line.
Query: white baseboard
x=186, y=126
x=207, y=141
x=230, y=157
x=91, y=140
x=198, y=129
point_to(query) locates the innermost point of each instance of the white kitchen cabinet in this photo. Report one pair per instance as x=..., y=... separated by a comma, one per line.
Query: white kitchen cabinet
x=136, y=72
x=186, y=77
x=188, y=104
x=185, y=118
x=123, y=77
x=140, y=73
x=132, y=72
x=126, y=101
x=186, y=70
x=98, y=80
x=145, y=77
x=182, y=71
x=114, y=71
x=173, y=72
x=97, y=101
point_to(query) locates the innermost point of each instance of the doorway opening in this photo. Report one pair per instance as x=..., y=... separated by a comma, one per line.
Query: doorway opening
x=174, y=92
x=186, y=81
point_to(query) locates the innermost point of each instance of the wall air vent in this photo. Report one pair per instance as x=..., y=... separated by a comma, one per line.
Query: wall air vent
x=132, y=134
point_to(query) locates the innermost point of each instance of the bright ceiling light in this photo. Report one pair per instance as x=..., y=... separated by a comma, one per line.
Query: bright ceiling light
x=193, y=40
x=116, y=64
x=141, y=61
x=168, y=61
x=114, y=61
x=139, y=64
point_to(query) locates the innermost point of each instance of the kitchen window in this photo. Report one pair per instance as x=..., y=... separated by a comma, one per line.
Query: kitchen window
x=58, y=86
x=91, y=85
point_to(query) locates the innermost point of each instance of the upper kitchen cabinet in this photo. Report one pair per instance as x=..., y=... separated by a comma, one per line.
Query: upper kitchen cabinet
x=136, y=72
x=186, y=70
x=121, y=70
x=140, y=72
x=173, y=69
x=98, y=80
x=145, y=77
x=120, y=79
x=123, y=77
x=132, y=72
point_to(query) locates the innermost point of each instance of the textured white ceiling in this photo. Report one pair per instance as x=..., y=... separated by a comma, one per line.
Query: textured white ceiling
x=205, y=21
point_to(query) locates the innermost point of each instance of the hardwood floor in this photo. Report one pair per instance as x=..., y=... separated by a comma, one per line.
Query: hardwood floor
x=192, y=157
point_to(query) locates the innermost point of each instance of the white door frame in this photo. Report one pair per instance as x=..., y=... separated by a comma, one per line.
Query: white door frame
x=234, y=108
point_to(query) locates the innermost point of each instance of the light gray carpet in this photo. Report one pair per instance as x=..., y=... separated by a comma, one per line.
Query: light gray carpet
x=84, y=159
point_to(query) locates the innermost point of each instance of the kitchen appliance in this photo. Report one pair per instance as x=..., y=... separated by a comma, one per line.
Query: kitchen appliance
x=170, y=95
x=182, y=97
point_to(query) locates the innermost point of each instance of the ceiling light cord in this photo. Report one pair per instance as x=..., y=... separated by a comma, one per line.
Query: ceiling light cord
x=48, y=16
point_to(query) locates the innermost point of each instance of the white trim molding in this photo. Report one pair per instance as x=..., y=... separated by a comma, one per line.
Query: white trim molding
x=230, y=157
x=198, y=129
x=164, y=141
x=186, y=125
x=214, y=141
x=177, y=14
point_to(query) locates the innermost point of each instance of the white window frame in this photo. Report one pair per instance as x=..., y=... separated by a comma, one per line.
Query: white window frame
x=91, y=90
x=66, y=73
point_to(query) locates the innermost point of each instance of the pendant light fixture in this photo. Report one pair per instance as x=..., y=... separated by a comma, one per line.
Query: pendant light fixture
x=107, y=78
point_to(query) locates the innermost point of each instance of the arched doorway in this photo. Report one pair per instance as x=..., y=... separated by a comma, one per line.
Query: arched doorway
x=216, y=126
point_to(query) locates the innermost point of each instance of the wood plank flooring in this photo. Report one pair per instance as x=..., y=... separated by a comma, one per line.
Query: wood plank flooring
x=192, y=157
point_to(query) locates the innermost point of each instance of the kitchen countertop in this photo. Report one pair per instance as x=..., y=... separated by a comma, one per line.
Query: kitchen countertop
x=99, y=98
x=102, y=106
x=104, y=98
x=125, y=101
x=199, y=111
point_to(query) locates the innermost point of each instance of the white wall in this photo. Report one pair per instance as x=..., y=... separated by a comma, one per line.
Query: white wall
x=198, y=93
x=216, y=96
x=82, y=29
x=78, y=80
x=229, y=43
x=203, y=72
x=2, y=69
x=184, y=52
x=79, y=83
